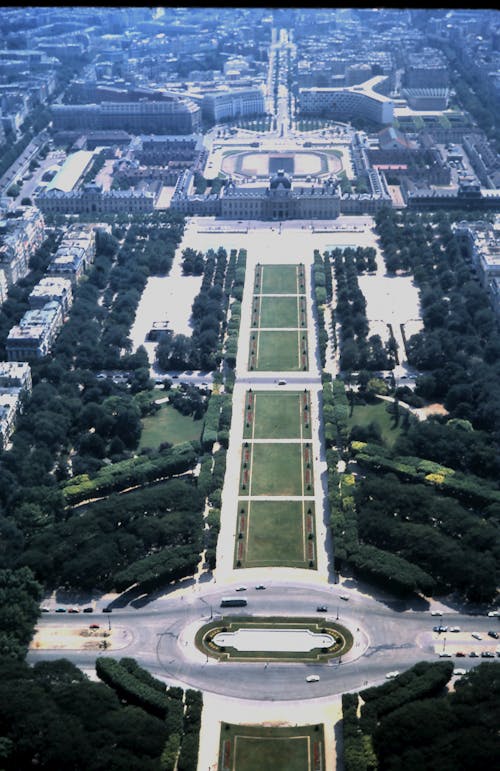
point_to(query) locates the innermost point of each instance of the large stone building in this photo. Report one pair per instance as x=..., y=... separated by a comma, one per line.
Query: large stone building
x=279, y=200
x=234, y=103
x=91, y=198
x=164, y=114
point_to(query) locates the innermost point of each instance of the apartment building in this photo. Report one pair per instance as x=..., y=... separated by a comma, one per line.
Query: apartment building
x=34, y=336
x=20, y=237
x=52, y=289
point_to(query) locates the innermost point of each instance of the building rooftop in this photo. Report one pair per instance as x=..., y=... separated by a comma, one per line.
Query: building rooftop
x=71, y=171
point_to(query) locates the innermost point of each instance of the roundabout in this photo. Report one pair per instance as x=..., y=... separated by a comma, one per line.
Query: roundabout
x=273, y=639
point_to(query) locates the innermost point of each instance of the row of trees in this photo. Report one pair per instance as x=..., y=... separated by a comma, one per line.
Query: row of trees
x=358, y=351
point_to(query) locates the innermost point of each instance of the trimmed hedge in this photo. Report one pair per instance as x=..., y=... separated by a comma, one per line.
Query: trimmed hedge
x=127, y=473
x=170, y=564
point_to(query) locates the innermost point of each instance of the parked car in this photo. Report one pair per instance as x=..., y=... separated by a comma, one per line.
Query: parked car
x=260, y=586
x=312, y=678
x=60, y=610
x=94, y=626
x=459, y=672
x=436, y=613
x=391, y=675
x=445, y=655
x=73, y=610
x=487, y=655
x=476, y=636
x=344, y=597
x=460, y=654
x=322, y=609
x=88, y=610
x=439, y=629
x=241, y=588
x=473, y=655
x=493, y=634
x=107, y=610
x=454, y=629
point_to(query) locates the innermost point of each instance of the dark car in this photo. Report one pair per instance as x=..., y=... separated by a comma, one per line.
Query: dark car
x=107, y=610
x=460, y=654
x=88, y=610
x=322, y=609
x=94, y=626
x=473, y=655
x=493, y=634
x=487, y=655
x=439, y=629
x=60, y=610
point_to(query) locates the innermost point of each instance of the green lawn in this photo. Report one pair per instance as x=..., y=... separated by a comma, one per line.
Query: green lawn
x=364, y=414
x=275, y=469
x=278, y=312
x=255, y=748
x=279, y=279
x=275, y=351
x=277, y=415
x=168, y=425
x=274, y=534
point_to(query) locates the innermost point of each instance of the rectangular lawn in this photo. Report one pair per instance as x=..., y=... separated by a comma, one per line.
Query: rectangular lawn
x=274, y=469
x=275, y=533
x=279, y=279
x=277, y=415
x=275, y=351
x=255, y=748
x=275, y=312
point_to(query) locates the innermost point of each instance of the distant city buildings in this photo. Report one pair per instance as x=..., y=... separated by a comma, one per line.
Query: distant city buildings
x=221, y=105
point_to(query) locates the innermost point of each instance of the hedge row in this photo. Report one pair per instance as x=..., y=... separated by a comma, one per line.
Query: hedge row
x=471, y=490
x=188, y=757
x=211, y=426
x=163, y=567
x=131, y=688
x=320, y=296
x=355, y=756
x=134, y=471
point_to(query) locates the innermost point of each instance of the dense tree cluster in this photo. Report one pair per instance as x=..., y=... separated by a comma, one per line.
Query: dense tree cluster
x=413, y=723
x=459, y=548
x=118, y=540
x=52, y=716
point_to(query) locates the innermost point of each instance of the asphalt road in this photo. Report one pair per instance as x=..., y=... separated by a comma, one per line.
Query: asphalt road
x=386, y=638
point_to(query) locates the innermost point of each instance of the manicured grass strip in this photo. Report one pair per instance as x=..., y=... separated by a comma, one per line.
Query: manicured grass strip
x=168, y=425
x=277, y=415
x=279, y=279
x=254, y=748
x=273, y=469
x=278, y=351
x=278, y=312
x=273, y=534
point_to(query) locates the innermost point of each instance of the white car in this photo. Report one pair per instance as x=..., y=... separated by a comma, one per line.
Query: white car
x=436, y=613
x=391, y=675
x=444, y=655
x=457, y=672
x=494, y=613
x=454, y=629
x=476, y=636
x=312, y=678
x=241, y=588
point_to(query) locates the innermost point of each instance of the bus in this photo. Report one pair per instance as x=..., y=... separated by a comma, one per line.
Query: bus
x=232, y=602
